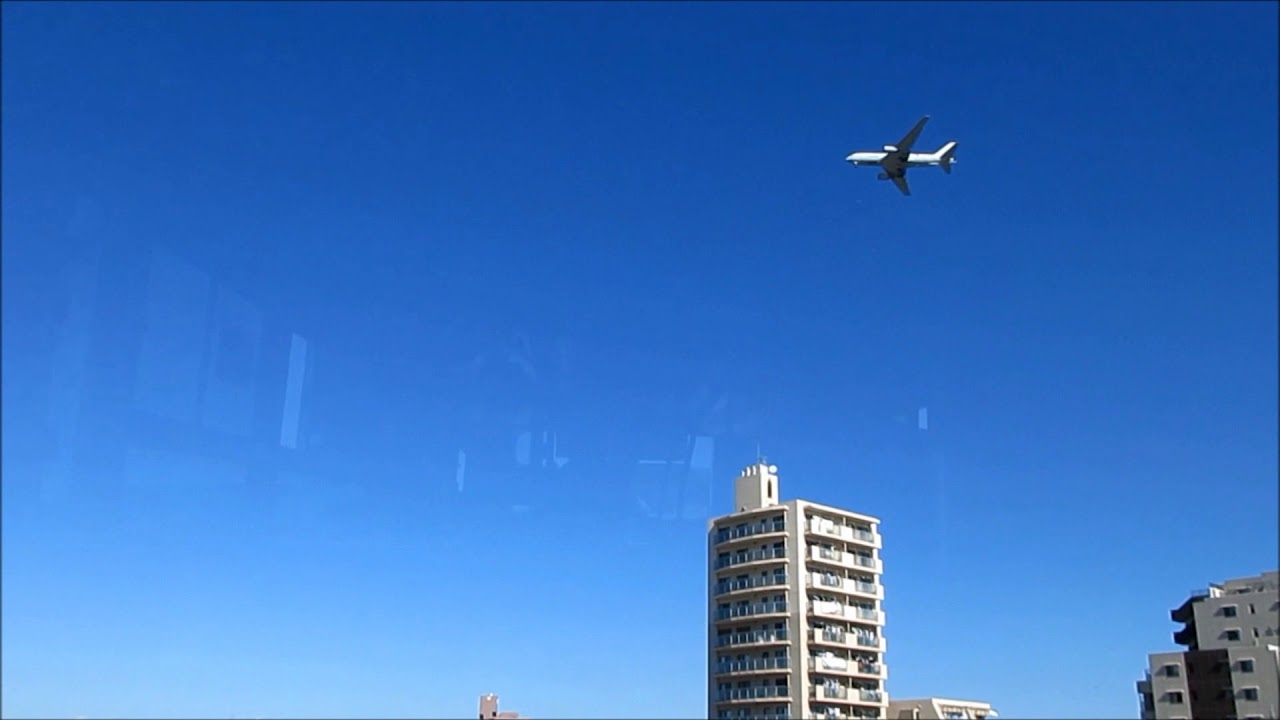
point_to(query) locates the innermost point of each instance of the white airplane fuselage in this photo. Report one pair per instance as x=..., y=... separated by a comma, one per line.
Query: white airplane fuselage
x=915, y=159
x=895, y=160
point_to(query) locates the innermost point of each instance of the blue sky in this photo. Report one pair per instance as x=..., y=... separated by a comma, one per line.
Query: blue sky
x=629, y=227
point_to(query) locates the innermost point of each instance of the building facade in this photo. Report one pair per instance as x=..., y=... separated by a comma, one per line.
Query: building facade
x=489, y=709
x=940, y=709
x=795, y=616
x=1230, y=667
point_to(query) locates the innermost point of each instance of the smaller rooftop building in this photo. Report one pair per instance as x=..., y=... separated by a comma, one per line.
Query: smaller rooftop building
x=940, y=709
x=489, y=709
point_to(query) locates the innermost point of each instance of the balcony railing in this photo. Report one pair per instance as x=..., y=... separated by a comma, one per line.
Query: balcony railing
x=840, y=530
x=750, y=557
x=830, y=635
x=781, y=712
x=838, y=609
x=753, y=665
x=834, y=691
x=863, y=587
x=831, y=692
x=870, y=641
x=751, y=638
x=764, y=608
x=857, y=561
x=838, y=664
x=726, y=586
x=754, y=693
x=760, y=528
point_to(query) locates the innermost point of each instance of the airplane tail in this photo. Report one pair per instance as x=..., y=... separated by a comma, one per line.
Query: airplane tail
x=946, y=156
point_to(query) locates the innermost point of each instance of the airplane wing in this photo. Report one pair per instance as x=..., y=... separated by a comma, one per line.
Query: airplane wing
x=904, y=146
x=901, y=182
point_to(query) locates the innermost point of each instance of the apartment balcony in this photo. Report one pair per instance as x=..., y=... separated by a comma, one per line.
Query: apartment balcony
x=1187, y=637
x=761, y=692
x=757, y=529
x=831, y=665
x=772, y=555
x=753, y=666
x=844, y=694
x=831, y=692
x=756, y=637
x=754, y=610
x=756, y=584
x=855, y=713
x=844, y=639
x=828, y=609
x=864, y=613
x=842, y=559
x=836, y=531
x=749, y=713
x=849, y=586
x=867, y=641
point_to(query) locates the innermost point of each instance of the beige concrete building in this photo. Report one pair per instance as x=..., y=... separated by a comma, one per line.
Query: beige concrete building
x=940, y=709
x=489, y=709
x=1230, y=668
x=794, y=608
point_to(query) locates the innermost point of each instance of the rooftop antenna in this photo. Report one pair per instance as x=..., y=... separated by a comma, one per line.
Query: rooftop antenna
x=760, y=460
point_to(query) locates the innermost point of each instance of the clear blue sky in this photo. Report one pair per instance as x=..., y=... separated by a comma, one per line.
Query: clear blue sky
x=647, y=206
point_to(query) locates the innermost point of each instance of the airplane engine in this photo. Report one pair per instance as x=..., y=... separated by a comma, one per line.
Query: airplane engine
x=890, y=148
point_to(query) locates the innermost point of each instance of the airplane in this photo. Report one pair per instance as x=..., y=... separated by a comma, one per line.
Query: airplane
x=896, y=159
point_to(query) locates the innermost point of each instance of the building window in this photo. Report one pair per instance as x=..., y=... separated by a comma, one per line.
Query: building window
x=1172, y=671
x=1249, y=693
x=1229, y=611
x=1232, y=635
x=1175, y=698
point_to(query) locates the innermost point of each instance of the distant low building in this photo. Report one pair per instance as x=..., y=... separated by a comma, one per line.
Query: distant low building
x=489, y=709
x=940, y=709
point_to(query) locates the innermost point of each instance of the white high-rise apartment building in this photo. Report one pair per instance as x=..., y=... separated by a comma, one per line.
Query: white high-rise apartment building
x=795, y=626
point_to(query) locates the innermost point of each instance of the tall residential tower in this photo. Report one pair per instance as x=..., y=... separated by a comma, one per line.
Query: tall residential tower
x=794, y=604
